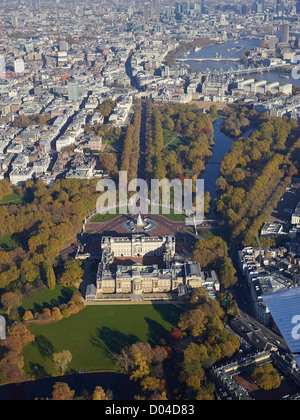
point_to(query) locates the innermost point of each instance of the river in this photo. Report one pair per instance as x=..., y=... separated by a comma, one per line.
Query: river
x=213, y=165
x=231, y=49
x=222, y=146
x=120, y=385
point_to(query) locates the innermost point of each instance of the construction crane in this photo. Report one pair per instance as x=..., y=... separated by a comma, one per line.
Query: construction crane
x=260, y=248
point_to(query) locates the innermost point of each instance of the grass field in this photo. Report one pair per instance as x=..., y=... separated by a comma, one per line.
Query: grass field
x=215, y=117
x=172, y=216
x=7, y=243
x=46, y=298
x=12, y=199
x=171, y=139
x=95, y=334
x=101, y=218
x=208, y=233
x=106, y=217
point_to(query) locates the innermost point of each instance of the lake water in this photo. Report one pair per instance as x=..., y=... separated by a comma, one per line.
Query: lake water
x=213, y=165
x=222, y=146
x=120, y=385
x=232, y=50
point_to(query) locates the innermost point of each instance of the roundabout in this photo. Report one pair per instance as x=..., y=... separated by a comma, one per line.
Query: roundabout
x=140, y=224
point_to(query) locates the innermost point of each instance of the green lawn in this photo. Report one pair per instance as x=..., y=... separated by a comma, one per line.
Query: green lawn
x=173, y=217
x=95, y=334
x=6, y=242
x=46, y=298
x=100, y=218
x=215, y=117
x=106, y=217
x=208, y=233
x=171, y=139
x=12, y=199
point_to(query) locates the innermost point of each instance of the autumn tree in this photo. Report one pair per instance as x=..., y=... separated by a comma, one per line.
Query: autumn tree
x=72, y=274
x=108, y=162
x=266, y=377
x=175, y=336
x=10, y=301
x=227, y=273
x=149, y=383
x=141, y=368
x=213, y=109
x=210, y=252
x=12, y=362
x=99, y=394
x=62, y=360
x=62, y=392
x=28, y=316
x=50, y=276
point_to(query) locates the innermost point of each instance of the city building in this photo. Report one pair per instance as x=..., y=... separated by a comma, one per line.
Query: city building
x=19, y=66
x=267, y=271
x=138, y=246
x=295, y=220
x=63, y=46
x=259, y=6
x=140, y=279
x=215, y=85
x=169, y=279
x=2, y=67
x=285, y=33
x=73, y=92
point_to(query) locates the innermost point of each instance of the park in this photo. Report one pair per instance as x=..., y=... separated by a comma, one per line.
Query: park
x=96, y=335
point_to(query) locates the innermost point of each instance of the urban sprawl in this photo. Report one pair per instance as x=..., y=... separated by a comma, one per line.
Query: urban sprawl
x=72, y=73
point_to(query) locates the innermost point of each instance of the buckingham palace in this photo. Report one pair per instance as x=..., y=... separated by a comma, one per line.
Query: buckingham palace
x=172, y=275
x=138, y=246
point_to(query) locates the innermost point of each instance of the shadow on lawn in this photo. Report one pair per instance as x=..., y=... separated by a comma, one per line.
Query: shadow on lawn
x=45, y=346
x=65, y=296
x=112, y=341
x=38, y=370
x=169, y=313
x=156, y=332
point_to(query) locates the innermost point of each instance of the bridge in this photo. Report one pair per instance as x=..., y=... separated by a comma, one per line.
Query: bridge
x=240, y=70
x=209, y=59
x=250, y=69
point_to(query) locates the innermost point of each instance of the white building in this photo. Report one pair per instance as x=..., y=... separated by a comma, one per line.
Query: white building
x=138, y=246
x=42, y=164
x=296, y=215
x=19, y=66
x=63, y=142
x=21, y=161
x=15, y=148
x=20, y=175
x=2, y=67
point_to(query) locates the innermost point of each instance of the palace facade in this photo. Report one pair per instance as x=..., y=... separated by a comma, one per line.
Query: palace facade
x=138, y=246
x=176, y=276
x=140, y=278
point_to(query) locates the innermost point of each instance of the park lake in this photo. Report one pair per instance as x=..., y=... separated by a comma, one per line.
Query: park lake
x=83, y=384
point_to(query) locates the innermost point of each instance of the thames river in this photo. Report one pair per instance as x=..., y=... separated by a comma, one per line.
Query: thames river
x=232, y=49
